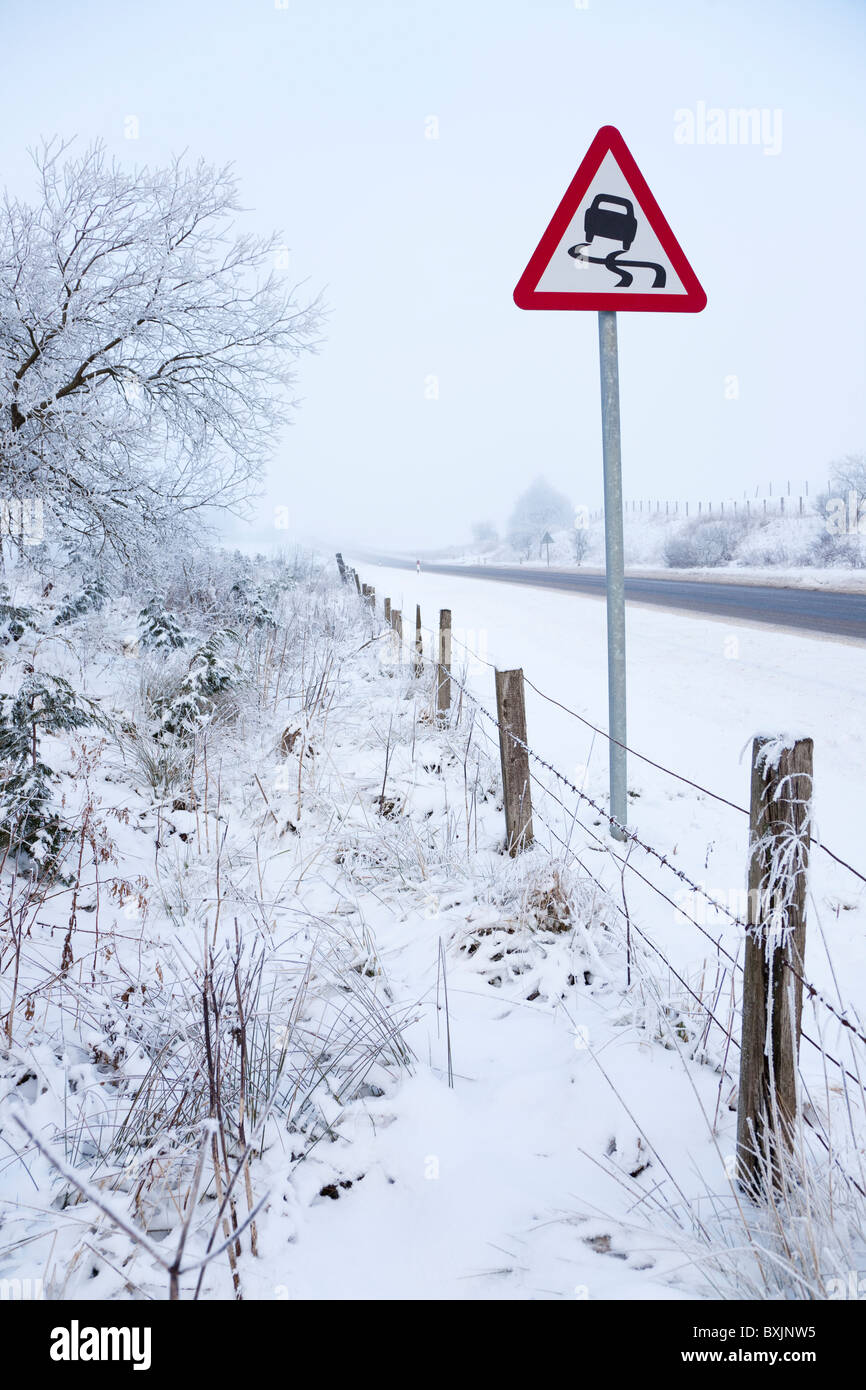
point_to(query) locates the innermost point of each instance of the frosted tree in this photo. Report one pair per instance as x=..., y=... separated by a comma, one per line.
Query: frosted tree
x=15, y=618
x=484, y=533
x=91, y=595
x=158, y=629
x=251, y=607
x=539, y=509
x=43, y=704
x=143, y=345
x=848, y=474
x=189, y=708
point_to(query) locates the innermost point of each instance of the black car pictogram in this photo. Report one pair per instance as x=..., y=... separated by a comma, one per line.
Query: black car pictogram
x=610, y=222
x=615, y=222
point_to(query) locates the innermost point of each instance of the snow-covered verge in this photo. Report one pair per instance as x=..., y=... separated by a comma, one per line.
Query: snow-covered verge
x=806, y=548
x=280, y=967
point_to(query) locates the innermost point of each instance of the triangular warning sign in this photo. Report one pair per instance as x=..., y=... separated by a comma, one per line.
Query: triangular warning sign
x=608, y=245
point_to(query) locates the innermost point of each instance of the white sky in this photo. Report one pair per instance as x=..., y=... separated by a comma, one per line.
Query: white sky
x=419, y=242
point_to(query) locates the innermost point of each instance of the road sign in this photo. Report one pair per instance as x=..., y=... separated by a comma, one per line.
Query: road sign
x=608, y=245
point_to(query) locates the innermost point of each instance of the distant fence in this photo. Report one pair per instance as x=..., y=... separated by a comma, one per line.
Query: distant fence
x=782, y=505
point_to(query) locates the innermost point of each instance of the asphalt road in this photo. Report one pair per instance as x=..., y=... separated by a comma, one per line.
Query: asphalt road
x=830, y=612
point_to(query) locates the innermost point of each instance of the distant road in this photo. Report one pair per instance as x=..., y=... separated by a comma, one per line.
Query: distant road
x=830, y=612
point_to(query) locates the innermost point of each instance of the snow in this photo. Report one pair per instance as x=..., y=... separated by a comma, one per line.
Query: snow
x=801, y=551
x=699, y=690
x=477, y=1103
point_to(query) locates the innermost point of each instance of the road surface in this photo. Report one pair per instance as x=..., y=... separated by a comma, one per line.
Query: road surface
x=830, y=612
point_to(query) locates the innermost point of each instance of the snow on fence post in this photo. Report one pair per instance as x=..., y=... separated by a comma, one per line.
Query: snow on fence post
x=341, y=567
x=779, y=820
x=419, y=644
x=387, y=610
x=516, y=794
x=357, y=582
x=443, y=670
x=371, y=597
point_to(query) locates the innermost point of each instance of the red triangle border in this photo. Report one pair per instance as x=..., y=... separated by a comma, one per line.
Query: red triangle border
x=528, y=296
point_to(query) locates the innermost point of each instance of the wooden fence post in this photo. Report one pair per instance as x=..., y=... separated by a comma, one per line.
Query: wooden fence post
x=419, y=645
x=511, y=713
x=397, y=625
x=443, y=670
x=341, y=567
x=781, y=792
x=387, y=610
x=371, y=597
x=357, y=581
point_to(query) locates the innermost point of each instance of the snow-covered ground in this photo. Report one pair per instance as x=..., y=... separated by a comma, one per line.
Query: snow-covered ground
x=485, y=1082
x=699, y=690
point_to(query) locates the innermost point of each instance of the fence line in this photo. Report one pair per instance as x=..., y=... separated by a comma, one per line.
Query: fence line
x=689, y=509
x=662, y=859
x=656, y=949
x=745, y=1155
x=595, y=729
x=660, y=767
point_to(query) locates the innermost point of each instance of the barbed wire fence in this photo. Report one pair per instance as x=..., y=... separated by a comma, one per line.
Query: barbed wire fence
x=570, y=798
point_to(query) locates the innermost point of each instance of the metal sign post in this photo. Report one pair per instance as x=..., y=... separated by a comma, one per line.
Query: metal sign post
x=608, y=248
x=614, y=565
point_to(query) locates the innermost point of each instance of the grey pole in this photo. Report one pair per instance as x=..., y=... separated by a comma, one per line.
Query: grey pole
x=614, y=566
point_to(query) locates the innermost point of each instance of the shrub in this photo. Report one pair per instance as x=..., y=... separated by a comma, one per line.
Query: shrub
x=251, y=609
x=832, y=549
x=92, y=595
x=705, y=542
x=43, y=705
x=182, y=713
x=14, y=620
x=580, y=543
x=159, y=631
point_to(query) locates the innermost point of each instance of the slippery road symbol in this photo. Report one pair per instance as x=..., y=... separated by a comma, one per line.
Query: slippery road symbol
x=613, y=218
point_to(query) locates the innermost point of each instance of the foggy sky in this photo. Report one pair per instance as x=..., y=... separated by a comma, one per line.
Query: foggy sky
x=434, y=400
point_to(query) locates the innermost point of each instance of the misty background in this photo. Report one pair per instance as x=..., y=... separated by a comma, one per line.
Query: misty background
x=413, y=154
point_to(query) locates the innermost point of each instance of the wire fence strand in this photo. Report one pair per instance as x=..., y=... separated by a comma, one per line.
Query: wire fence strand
x=815, y=994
